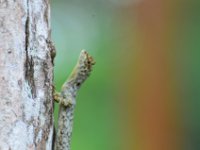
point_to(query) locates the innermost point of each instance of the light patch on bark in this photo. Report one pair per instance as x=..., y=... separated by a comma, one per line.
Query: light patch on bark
x=26, y=136
x=29, y=103
x=39, y=136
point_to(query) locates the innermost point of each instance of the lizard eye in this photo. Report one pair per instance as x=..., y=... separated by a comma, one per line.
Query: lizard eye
x=78, y=84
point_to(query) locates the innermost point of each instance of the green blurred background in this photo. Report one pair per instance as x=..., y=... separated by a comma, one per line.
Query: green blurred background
x=144, y=91
x=89, y=25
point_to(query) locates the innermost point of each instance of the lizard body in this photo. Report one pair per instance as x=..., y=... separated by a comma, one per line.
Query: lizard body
x=67, y=99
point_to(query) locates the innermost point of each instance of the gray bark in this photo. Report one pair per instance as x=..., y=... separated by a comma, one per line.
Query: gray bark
x=26, y=75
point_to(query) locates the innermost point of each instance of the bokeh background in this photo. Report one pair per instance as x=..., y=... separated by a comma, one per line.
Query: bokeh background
x=144, y=91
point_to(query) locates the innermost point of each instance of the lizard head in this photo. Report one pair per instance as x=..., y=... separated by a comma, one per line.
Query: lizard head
x=82, y=69
x=85, y=64
x=86, y=61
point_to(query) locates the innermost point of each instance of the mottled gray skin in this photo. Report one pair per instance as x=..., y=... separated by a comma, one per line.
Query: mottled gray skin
x=67, y=100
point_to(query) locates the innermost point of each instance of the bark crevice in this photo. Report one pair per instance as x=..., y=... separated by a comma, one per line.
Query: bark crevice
x=29, y=63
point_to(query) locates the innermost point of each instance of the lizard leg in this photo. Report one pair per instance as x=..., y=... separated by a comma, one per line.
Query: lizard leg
x=57, y=96
x=64, y=101
x=67, y=102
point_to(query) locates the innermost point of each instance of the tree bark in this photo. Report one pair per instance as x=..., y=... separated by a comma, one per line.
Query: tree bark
x=26, y=75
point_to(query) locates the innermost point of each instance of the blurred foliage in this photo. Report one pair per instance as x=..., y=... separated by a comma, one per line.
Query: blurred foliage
x=142, y=48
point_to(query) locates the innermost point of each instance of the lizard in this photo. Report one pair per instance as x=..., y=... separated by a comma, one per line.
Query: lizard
x=67, y=100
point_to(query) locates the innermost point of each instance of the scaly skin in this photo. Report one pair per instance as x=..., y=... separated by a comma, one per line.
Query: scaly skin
x=67, y=99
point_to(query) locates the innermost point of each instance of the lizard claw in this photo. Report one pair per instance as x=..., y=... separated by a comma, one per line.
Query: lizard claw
x=67, y=102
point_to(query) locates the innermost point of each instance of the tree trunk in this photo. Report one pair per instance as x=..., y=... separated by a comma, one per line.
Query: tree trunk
x=26, y=75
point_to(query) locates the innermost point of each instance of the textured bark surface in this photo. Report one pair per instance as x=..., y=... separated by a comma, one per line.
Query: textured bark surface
x=26, y=74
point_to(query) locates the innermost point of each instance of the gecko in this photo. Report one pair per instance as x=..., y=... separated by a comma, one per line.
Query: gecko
x=67, y=100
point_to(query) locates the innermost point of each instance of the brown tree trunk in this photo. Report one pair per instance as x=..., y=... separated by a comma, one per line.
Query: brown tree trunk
x=26, y=75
